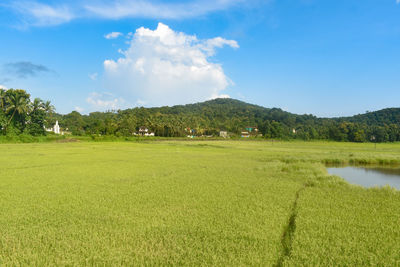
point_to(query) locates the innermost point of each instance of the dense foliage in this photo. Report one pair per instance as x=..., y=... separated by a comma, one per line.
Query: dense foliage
x=20, y=115
x=210, y=117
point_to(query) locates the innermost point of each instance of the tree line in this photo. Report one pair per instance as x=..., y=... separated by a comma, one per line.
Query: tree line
x=206, y=118
x=211, y=117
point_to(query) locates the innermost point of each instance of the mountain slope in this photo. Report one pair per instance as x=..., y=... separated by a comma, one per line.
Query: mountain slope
x=380, y=117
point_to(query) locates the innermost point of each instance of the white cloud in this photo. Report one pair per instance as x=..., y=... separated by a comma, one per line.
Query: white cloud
x=79, y=109
x=140, y=103
x=220, y=96
x=93, y=76
x=38, y=14
x=104, y=101
x=217, y=42
x=3, y=87
x=113, y=35
x=152, y=9
x=164, y=67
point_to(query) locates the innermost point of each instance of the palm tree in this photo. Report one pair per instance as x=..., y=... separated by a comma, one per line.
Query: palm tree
x=16, y=104
x=48, y=107
x=37, y=104
x=2, y=98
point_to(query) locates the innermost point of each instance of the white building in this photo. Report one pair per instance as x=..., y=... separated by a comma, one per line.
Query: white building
x=143, y=131
x=56, y=128
x=223, y=134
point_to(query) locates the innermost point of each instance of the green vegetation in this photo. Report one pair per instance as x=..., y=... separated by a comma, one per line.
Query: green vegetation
x=18, y=115
x=209, y=118
x=225, y=203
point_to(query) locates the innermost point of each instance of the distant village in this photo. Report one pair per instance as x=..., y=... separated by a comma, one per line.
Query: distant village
x=250, y=131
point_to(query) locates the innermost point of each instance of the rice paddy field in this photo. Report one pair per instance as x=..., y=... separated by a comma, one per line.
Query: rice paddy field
x=219, y=203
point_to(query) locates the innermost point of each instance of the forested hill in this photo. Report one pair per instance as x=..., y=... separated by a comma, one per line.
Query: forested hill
x=210, y=117
x=224, y=110
x=380, y=118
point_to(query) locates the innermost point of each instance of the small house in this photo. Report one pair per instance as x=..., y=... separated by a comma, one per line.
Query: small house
x=223, y=134
x=252, y=129
x=191, y=132
x=143, y=131
x=245, y=134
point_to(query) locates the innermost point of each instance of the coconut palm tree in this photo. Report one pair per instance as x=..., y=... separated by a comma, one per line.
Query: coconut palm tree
x=37, y=104
x=48, y=107
x=17, y=103
x=2, y=98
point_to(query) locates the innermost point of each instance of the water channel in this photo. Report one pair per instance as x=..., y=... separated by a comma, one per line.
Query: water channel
x=368, y=177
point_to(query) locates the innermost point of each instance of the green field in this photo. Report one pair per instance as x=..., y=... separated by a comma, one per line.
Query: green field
x=226, y=203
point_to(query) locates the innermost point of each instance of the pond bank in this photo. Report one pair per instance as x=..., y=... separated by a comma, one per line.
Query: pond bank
x=368, y=176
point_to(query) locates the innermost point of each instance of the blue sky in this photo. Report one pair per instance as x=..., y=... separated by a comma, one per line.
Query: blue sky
x=324, y=57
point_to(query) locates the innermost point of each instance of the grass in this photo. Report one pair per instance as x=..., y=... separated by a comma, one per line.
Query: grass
x=223, y=203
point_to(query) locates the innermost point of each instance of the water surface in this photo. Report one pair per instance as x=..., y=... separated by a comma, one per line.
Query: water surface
x=368, y=177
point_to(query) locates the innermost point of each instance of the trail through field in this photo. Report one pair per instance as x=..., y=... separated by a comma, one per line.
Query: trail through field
x=288, y=233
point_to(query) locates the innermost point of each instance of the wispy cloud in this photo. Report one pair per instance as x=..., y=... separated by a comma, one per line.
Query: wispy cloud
x=79, y=109
x=4, y=80
x=113, y=35
x=38, y=13
x=152, y=9
x=25, y=69
x=93, y=76
x=104, y=101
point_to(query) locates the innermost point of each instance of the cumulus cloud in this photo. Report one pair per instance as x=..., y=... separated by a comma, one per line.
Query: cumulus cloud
x=104, y=101
x=164, y=67
x=113, y=35
x=25, y=69
x=3, y=87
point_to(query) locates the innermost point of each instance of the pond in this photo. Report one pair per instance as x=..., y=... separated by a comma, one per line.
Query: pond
x=368, y=177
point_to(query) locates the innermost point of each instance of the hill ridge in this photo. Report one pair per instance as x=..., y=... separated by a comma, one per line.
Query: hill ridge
x=222, y=114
